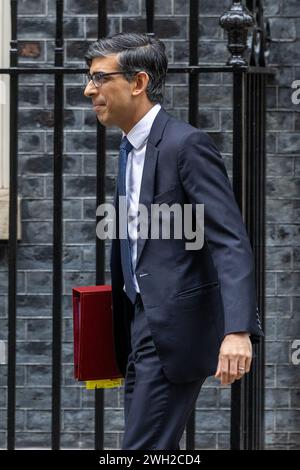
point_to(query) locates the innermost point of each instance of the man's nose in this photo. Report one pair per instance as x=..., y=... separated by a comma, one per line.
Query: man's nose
x=89, y=90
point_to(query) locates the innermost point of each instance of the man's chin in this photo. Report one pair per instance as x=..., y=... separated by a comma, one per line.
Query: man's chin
x=103, y=121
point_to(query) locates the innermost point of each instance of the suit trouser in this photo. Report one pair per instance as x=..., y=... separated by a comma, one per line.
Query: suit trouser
x=155, y=410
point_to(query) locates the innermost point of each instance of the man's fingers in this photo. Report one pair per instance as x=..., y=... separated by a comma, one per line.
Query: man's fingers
x=241, y=368
x=233, y=369
x=248, y=364
x=224, y=370
x=234, y=358
x=218, y=371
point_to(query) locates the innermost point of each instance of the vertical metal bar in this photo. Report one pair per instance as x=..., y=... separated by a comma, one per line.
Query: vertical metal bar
x=12, y=244
x=249, y=212
x=252, y=209
x=193, y=60
x=256, y=430
x=262, y=221
x=238, y=170
x=100, y=245
x=193, y=119
x=252, y=198
x=150, y=16
x=249, y=181
x=57, y=227
x=259, y=250
x=260, y=254
x=260, y=130
x=254, y=409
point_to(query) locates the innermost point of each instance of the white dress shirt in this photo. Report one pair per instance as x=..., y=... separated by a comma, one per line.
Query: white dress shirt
x=138, y=137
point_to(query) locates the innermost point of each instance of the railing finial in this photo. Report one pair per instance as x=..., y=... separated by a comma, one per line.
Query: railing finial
x=236, y=21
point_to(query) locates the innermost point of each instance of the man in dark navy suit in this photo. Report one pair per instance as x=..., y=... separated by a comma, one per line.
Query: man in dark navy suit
x=180, y=315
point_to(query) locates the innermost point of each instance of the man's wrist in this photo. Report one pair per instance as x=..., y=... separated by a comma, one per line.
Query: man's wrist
x=238, y=333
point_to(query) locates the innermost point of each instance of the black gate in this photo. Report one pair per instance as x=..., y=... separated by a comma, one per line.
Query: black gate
x=249, y=85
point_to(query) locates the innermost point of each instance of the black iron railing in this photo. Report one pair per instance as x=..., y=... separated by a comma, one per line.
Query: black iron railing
x=249, y=70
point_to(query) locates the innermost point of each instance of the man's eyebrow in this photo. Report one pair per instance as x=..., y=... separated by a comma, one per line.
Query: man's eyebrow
x=97, y=71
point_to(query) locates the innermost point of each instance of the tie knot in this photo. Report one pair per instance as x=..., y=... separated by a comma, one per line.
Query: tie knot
x=126, y=145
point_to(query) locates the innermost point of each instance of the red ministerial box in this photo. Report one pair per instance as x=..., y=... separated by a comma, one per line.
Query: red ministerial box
x=94, y=355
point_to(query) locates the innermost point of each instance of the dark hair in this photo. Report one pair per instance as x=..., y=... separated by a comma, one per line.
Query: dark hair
x=135, y=51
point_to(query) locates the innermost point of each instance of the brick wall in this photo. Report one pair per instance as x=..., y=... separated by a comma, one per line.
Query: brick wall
x=283, y=320
x=36, y=31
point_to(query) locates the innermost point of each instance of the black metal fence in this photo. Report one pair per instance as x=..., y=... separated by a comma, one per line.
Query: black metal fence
x=249, y=85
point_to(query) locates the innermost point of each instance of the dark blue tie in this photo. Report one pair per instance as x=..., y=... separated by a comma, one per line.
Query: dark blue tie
x=127, y=269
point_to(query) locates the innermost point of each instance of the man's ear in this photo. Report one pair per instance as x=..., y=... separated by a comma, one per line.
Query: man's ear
x=141, y=83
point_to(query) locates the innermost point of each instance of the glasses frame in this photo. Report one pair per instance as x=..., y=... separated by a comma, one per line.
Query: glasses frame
x=102, y=75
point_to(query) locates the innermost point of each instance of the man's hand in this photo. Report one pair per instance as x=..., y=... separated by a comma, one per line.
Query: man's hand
x=234, y=358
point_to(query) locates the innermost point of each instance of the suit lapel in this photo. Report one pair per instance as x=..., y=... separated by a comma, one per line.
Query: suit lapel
x=147, y=189
x=148, y=177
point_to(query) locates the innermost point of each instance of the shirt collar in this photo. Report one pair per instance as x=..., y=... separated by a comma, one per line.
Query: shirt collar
x=140, y=132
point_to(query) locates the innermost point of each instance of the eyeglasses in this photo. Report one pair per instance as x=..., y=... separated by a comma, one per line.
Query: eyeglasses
x=98, y=77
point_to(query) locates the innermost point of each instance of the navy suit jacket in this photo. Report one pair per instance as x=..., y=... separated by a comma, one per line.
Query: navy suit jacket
x=192, y=298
